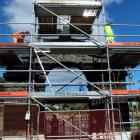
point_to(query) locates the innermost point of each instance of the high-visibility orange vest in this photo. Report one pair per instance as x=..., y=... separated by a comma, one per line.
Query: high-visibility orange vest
x=19, y=35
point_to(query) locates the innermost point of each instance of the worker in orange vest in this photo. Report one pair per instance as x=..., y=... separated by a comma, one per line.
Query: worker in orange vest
x=19, y=37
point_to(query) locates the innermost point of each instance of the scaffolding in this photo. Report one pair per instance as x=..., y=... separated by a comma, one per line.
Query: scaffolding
x=69, y=37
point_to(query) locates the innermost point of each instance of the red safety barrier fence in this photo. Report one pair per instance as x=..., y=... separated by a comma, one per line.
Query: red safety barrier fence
x=75, y=124
x=13, y=122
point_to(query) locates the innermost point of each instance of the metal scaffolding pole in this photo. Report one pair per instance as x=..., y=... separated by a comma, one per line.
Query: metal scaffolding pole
x=29, y=95
x=85, y=70
x=109, y=76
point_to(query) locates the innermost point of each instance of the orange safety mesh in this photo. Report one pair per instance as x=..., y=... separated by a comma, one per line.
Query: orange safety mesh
x=5, y=44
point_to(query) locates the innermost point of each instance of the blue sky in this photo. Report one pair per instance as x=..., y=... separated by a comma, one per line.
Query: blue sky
x=3, y=28
x=117, y=12
x=127, y=12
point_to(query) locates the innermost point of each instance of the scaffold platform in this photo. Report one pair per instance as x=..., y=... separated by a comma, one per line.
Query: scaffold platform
x=47, y=12
x=116, y=49
x=72, y=47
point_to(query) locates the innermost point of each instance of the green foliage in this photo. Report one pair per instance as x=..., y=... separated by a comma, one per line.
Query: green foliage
x=2, y=88
x=75, y=106
x=79, y=106
x=66, y=107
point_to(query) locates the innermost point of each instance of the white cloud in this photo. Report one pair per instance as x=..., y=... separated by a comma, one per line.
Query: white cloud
x=18, y=11
x=107, y=2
